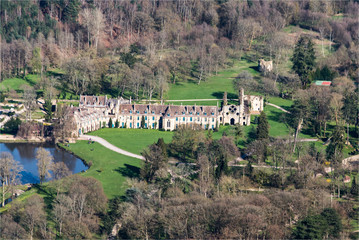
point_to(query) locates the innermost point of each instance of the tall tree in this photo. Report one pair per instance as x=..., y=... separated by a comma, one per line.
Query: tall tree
x=30, y=101
x=354, y=190
x=335, y=148
x=9, y=171
x=44, y=163
x=350, y=109
x=303, y=59
x=263, y=127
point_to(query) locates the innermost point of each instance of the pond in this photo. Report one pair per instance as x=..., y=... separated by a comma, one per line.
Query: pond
x=25, y=154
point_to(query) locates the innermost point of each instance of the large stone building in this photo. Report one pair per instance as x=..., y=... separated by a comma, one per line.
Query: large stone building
x=95, y=112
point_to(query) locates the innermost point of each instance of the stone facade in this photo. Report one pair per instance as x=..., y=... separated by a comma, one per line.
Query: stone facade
x=94, y=112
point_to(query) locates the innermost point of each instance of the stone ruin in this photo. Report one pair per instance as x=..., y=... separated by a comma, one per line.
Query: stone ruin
x=265, y=66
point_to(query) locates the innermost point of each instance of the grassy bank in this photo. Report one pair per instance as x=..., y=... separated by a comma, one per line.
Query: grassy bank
x=132, y=140
x=214, y=86
x=110, y=168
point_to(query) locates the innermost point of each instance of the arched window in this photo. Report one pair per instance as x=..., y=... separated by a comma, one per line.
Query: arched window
x=168, y=124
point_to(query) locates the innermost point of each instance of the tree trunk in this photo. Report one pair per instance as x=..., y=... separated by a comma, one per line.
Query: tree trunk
x=348, y=143
x=297, y=133
x=3, y=194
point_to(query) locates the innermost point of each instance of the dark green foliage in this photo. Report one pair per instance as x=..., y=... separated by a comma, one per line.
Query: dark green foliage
x=312, y=227
x=2, y=97
x=155, y=160
x=117, y=124
x=161, y=143
x=323, y=74
x=48, y=110
x=16, y=27
x=328, y=223
x=334, y=224
x=335, y=148
x=129, y=59
x=303, y=59
x=263, y=127
x=110, y=123
x=12, y=126
x=71, y=11
x=350, y=108
x=354, y=190
x=249, y=169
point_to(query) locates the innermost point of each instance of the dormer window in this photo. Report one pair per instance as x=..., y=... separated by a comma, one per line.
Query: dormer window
x=145, y=111
x=137, y=111
x=198, y=113
x=190, y=113
x=130, y=111
x=213, y=113
x=183, y=112
x=153, y=112
x=205, y=113
x=168, y=114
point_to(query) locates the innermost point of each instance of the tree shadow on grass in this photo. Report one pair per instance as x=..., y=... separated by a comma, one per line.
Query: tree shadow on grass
x=129, y=171
x=49, y=195
x=256, y=68
x=219, y=95
x=277, y=117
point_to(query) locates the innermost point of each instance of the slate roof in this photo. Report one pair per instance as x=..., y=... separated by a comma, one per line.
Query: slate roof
x=167, y=109
x=93, y=100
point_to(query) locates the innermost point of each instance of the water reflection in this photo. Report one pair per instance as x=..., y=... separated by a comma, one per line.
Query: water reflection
x=25, y=154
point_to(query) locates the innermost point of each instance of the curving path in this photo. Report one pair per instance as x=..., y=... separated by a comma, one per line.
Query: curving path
x=276, y=106
x=108, y=145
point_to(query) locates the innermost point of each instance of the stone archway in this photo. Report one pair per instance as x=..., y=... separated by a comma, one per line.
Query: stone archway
x=232, y=121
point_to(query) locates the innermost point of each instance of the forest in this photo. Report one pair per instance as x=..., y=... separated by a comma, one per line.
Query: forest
x=192, y=186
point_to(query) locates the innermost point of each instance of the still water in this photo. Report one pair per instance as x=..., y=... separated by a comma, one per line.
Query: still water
x=25, y=154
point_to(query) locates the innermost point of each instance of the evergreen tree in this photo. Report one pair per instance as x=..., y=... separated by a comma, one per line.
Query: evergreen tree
x=48, y=110
x=355, y=188
x=117, y=124
x=71, y=11
x=161, y=143
x=110, y=123
x=2, y=97
x=335, y=148
x=263, y=127
x=303, y=59
x=12, y=125
x=333, y=222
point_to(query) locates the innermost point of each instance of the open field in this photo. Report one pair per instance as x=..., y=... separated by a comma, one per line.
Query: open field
x=13, y=84
x=132, y=140
x=214, y=86
x=110, y=168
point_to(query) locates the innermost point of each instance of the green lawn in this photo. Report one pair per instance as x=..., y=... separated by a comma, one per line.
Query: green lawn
x=32, y=79
x=132, y=140
x=110, y=168
x=284, y=103
x=214, y=86
x=13, y=84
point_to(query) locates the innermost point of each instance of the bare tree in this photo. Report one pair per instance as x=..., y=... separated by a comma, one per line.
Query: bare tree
x=336, y=105
x=61, y=210
x=29, y=101
x=9, y=171
x=44, y=163
x=33, y=214
x=65, y=125
x=94, y=22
